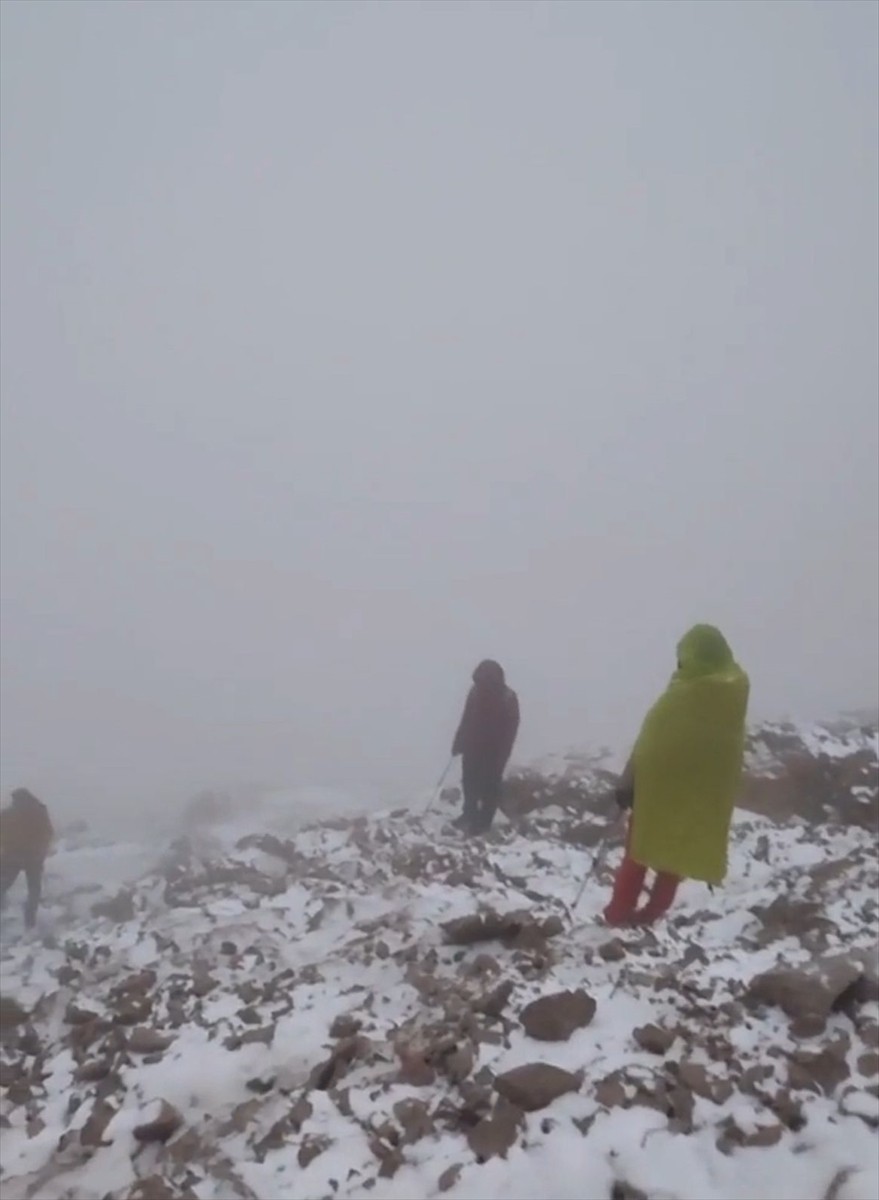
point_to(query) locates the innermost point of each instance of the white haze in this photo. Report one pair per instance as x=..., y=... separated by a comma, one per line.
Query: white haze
x=345, y=344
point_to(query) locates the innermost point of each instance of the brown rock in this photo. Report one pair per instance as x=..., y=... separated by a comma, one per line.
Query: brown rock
x=654, y=1039
x=732, y=1137
x=696, y=1079
x=11, y=1014
x=92, y=1132
x=457, y=1065
x=92, y=1071
x=788, y=1110
x=535, y=1085
x=493, y=1003
x=495, y=1134
x=414, y=1118
x=346, y=1025
x=312, y=1147
x=328, y=1073
x=251, y=1037
x=765, y=1135
x=138, y=984
x=555, y=1017
x=153, y=1187
x=119, y=908
x=490, y=926
x=144, y=1040
x=203, y=983
x=415, y=1070
x=622, y=1190
x=868, y=1064
x=11, y=1073
x=809, y=1025
x=390, y=1157
x=166, y=1123
x=612, y=951
x=134, y=1012
x=79, y=1016
x=821, y=1071
x=449, y=1177
x=610, y=1092
x=813, y=991
x=869, y=1034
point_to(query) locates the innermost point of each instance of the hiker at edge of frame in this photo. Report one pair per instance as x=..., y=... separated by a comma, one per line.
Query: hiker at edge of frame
x=681, y=780
x=485, y=741
x=26, y=834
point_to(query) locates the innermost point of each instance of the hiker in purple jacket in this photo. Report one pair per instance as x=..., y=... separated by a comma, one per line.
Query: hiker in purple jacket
x=485, y=741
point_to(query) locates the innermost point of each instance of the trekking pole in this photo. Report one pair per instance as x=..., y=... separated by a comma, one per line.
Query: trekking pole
x=440, y=782
x=600, y=855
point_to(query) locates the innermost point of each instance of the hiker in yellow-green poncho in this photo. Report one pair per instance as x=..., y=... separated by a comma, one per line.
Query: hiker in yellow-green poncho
x=682, y=778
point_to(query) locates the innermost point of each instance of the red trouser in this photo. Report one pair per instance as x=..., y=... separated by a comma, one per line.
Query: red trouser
x=628, y=885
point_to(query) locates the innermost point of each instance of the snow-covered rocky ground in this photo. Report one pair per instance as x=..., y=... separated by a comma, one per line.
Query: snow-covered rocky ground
x=373, y=1008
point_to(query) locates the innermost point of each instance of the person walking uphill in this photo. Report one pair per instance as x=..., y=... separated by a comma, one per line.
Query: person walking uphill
x=682, y=778
x=485, y=741
x=25, y=837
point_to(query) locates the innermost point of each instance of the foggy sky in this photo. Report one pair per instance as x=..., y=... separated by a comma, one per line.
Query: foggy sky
x=346, y=344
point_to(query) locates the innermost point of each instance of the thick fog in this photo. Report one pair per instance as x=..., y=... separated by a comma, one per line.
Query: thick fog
x=344, y=345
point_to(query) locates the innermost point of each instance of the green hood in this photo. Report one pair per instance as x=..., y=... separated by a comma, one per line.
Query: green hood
x=702, y=651
x=688, y=761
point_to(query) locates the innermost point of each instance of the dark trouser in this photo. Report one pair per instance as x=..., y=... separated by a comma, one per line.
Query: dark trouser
x=33, y=871
x=481, y=783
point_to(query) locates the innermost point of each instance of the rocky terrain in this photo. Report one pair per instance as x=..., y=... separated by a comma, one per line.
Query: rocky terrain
x=372, y=1008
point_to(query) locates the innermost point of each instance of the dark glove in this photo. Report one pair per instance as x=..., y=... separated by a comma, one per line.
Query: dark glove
x=624, y=796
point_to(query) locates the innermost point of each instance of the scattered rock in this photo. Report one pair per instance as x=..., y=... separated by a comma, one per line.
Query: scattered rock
x=328, y=1073
x=92, y=1071
x=143, y=1040
x=493, y=1003
x=612, y=951
x=494, y=1135
x=153, y=1187
x=251, y=1037
x=868, y=1064
x=809, y=1025
x=696, y=1079
x=11, y=1014
x=166, y=1123
x=449, y=1177
x=814, y=991
x=311, y=1147
x=460, y=1063
x=622, y=1190
x=535, y=1085
x=555, y=1017
x=610, y=1092
x=138, y=984
x=823, y=1070
x=731, y=1137
x=414, y=1118
x=415, y=1070
x=345, y=1026
x=118, y=908
x=491, y=926
x=92, y=1132
x=390, y=1157
x=74, y=1015
x=654, y=1039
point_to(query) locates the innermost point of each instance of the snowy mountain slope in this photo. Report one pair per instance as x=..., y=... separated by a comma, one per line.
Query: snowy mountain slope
x=295, y=1018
